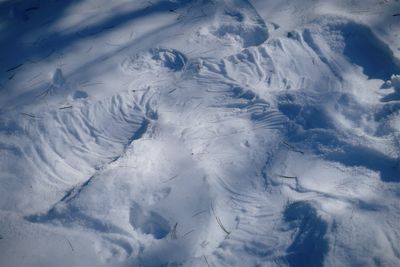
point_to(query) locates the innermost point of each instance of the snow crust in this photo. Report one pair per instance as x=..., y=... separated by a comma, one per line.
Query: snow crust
x=199, y=133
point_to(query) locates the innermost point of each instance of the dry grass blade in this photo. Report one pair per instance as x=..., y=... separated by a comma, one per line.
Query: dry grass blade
x=171, y=91
x=173, y=232
x=219, y=222
x=188, y=233
x=91, y=84
x=205, y=259
x=14, y=68
x=292, y=148
x=170, y=179
x=286, y=177
x=198, y=213
x=28, y=115
x=44, y=93
x=66, y=107
x=70, y=245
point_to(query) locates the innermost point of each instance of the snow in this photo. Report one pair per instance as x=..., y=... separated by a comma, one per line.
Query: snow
x=199, y=133
x=395, y=81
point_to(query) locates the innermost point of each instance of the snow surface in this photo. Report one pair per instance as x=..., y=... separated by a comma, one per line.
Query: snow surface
x=200, y=133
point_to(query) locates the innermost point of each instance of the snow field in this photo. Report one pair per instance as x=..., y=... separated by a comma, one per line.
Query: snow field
x=224, y=133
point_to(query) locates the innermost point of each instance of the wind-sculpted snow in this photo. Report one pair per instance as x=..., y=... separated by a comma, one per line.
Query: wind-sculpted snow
x=240, y=22
x=61, y=147
x=309, y=245
x=358, y=44
x=202, y=133
x=168, y=59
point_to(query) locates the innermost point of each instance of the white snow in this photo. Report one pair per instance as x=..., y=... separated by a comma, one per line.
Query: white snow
x=199, y=133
